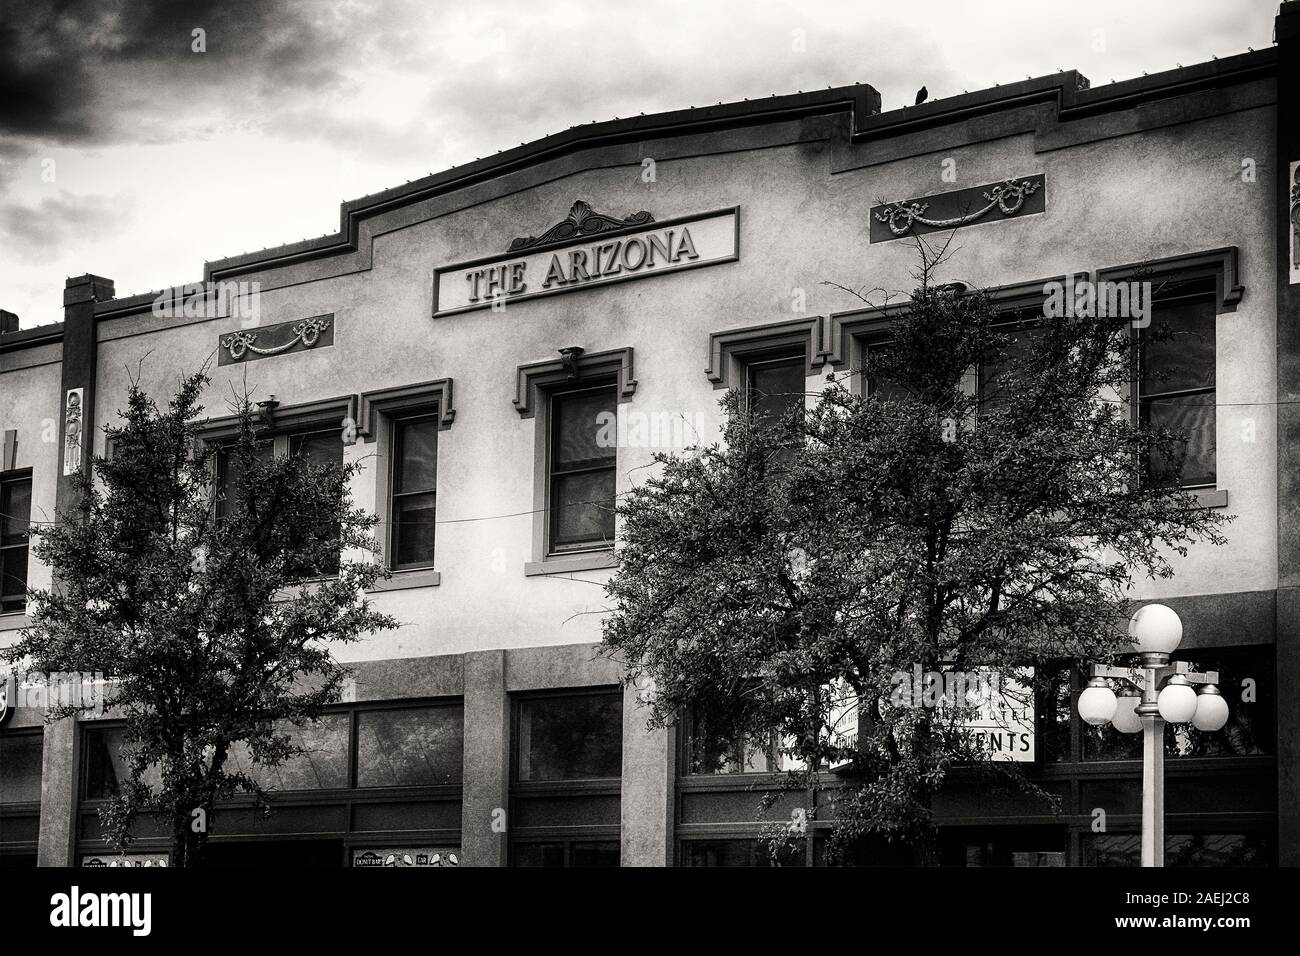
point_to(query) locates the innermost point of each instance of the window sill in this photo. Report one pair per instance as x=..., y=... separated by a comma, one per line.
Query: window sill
x=412, y=578
x=14, y=621
x=1210, y=497
x=568, y=563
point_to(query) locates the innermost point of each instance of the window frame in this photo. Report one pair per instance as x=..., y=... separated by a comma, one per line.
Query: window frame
x=8, y=479
x=552, y=548
x=1140, y=399
x=282, y=443
x=351, y=712
x=396, y=424
x=771, y=358
x=535, y=383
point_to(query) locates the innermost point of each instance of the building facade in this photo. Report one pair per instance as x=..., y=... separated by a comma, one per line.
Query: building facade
x=459, y=335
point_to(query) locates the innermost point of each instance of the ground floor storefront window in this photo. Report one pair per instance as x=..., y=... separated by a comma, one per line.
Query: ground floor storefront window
x=566, y=778
x=376, y=784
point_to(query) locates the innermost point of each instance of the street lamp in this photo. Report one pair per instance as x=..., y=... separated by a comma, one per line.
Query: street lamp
x=1151, y=695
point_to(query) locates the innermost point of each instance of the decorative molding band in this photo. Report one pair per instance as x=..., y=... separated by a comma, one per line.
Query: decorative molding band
x=240, y=345
x=321, y=413
x=963, y=207
x=1219, y=263
x=572, y=368
x=433, y=396
x=580, y=223
x=1295, y=222
x=812, y=334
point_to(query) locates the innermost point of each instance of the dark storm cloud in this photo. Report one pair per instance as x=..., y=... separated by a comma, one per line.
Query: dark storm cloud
x=84, y=71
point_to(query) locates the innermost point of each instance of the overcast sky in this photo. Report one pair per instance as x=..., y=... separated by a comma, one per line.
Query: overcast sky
x=126, y=154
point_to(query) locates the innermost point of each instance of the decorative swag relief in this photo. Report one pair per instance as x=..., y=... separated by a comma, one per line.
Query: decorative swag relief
x=963, y=207
x=246, y=345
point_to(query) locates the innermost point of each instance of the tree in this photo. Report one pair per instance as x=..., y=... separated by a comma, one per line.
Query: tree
x=817, y=558
x=197, y=605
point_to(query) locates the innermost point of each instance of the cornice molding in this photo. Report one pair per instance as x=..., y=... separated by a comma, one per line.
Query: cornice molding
x=405, y=398
x=287, y=418
x=1220, y=263
x=726, y=348
x=572, y=370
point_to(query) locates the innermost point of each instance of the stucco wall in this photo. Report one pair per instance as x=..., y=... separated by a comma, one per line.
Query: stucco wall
x=29, y=404
x=1115, y=201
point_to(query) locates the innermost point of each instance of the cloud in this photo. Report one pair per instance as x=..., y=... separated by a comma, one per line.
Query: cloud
x=43, y=230
x=113, y=71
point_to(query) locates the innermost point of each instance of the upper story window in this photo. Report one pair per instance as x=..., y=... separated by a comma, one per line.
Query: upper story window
x=993, y=378
x=413, y=492
x=581, y=472
x=773, y=383
x=15, y=517
x=1176, y=386
x=316, y=445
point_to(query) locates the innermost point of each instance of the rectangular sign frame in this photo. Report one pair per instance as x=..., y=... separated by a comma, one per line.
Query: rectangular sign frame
x=450, y=271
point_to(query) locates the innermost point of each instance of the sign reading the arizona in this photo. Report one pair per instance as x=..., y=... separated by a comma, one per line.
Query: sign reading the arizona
x=585, y=249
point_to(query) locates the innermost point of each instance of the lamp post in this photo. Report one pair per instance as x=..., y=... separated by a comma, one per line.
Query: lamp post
x=1154, y=693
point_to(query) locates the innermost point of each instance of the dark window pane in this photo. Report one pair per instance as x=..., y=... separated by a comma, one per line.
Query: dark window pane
x=106, y=765
x=415, y=477
x=323, y=764
x=20, y=767
x=567, y=738
x=603, y=853
x=578, y=429
x=1248, y=685
x=13, y=580
x=996, y=375
x=230, y=473
x=318, y=447
x=582, y=509
x=709, y=753
x=1185, y=360
x=774, y=386
x=417, y=455
x=742, y=853
x=1193, y=417
x=15, y=511
x=539, y=854
x=418, y=746
x=413, y=529
x=1057, y=704
x=1218, y=849
x=1181, y=849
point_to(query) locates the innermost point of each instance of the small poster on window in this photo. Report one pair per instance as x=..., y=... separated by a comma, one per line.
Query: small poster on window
x=125, y=859
x=406, y=856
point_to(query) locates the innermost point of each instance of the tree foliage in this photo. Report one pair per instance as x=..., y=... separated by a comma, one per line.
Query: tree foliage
x=818, y=555
x=213, y=619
